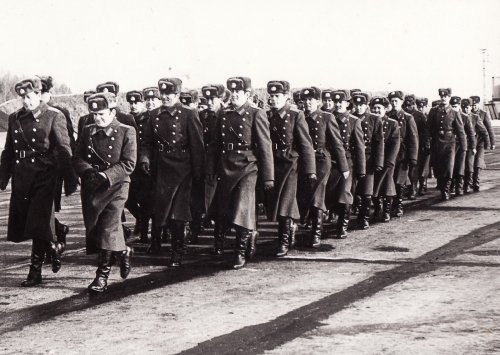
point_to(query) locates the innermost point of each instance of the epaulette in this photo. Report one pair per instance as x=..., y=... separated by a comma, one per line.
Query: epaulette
x=294, y=109
x=53, y=109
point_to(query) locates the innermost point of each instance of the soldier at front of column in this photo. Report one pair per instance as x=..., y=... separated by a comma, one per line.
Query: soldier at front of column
x=34, y=134
x=104, y=159
x=291, y=145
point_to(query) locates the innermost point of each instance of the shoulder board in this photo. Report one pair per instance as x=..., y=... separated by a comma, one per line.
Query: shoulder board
x=50, y=108
x=294, y=109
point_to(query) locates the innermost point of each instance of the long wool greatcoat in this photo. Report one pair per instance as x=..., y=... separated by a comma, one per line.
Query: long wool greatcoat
x=291, y=140
x=373, y=137
x=112, y=150
x=460, y=155
x=240, y=150
x=29, y=157
x=442, y=125
x=384, y=180
x=408, y=135
x=173, y=146
x=339, y=190
x=482, y=142
x=329, y=149
x=423, y=159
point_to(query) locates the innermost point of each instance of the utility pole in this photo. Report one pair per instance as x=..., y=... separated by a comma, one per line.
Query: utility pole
x=484, y=77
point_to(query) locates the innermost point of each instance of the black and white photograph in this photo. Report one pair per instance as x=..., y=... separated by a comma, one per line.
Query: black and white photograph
x=301, y=177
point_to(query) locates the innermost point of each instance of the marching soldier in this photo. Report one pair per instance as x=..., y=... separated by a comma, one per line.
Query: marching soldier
x=417, y=175
x=152, y=98
x=351, y=132
x=214, y=94
x=138, y=202
x=473, y=158
x=480, y=152
x=373, y=137
x=457, y=182
x=408, y=152
x=172, y=148
x=290, y=140
x=329, y=150
x=384, y=188
x=442, y=125
x=104, y=159
x=240, y=150
x=83, y=119
x=34, y=134
x=66, y=178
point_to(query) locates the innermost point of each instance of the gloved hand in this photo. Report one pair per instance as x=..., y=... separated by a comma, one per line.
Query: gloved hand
x=3, y=184
x=268, y=185
x=412, y=163
x=144, y=167
x=91, y=180
x=210, y=179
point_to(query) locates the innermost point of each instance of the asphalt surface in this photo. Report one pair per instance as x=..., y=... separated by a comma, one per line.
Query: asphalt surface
x=426, y=283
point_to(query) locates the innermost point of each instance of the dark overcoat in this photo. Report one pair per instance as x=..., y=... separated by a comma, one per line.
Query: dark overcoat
x=408, y=150
x=482, y=142
x=423, y=159
x=240, y=151
x=460, y=155
x=29, y=157
x=329, y=150
x=373, y=137
x=442, y=125
x=173, y=146
x=384, y=180
x=122, y=117
x=113, y=151
x=290, y=140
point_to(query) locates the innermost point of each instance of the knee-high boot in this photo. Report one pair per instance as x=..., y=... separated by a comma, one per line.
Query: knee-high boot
x=316, y=216
x=37, y=255
x=104, y=260
x=343, y=222
x=155, y=240
x=476, y=180
x=242, y=237
x=220, y=234
x=284, y=230
x=364, y=213
x=179, y=231
x=398, y=208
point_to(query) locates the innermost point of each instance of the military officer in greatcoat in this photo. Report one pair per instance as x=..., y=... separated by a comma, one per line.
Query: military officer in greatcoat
x=240, y=151
x=326, y=98
x=340, y=192
x=417, y=175
x=408, y=152
x=442, y=125
x=474, y=151
x=457, y=182
x=84, y=118
x=67, y=178
x=297, y=99
x=479, y=164
x=421, y=105
x=291, y=140
x=384, y=188
x=172, y=149
x=373, y=137
x=138, y=202
x=214, y=94
x=34, y=134
x=104, y=159
x=329, y=150
x=190, y=98
x=152, y=98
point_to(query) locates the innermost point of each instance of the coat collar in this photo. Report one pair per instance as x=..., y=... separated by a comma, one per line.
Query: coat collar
x=107, y=130
x=243, y=109
x=342, y=116
x=177, y=107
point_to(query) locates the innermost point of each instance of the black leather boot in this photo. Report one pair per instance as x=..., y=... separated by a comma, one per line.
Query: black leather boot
x=459, y=185
x=196, y=227
x=445, y=189
x=398, y=208
x=317, y=226
x=242, y=237
x=252, y=244
x=364, y=213
x=62, y=231
x=343, y=222
x=155, y=240
x=126, y=255
x=452, y=185
x=387, y=209
x=476, y=180
x=180, y=234
x=143, y=230
x=356, y=207
x=219, y=235
x=422, y=186
x=55, y=252
x=412, y=190
x=37, y=255
x=377, y=208
x=293, y=230
x=285, y=225
x=104, y=260
x=467, y=182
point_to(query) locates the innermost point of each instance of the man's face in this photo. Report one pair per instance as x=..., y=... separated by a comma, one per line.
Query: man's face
x=420, y=107
x=46, y=97
x=239, y=97
x=328, y=104
x=193, y=105
x=310, y=104
x=104, y=117
x=466, y=109
x=379, y=110
x=169, y=100
x=152, y=103
x=136, y=107
x=396, y=103
x=31, y=100
x=445, y=99
x=213, y=103
x=475, y=107
x=340, y=106
x=277, y=101
x=455, y=107
x=360, y=108
x=408, y=107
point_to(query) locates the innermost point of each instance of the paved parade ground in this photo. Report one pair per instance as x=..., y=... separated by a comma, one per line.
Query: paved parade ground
x=425, y=283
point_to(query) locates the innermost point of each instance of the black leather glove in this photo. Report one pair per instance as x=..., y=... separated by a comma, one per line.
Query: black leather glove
x=91, y=180
x=412, y=163
x=144, y=167
x=3, y=184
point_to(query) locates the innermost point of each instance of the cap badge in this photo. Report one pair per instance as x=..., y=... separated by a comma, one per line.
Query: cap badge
x=306, y=92
x=105, y=90
x=184, y=100
x=164, y=86
x=94, y=105
x=327, y=94
x=21, y=91
x=337, y=96
x=132, y=98
x=233, y=85
x=359, y=99
x=273, y=88
x=150, y=93
x=393, y=93
x=207, y=92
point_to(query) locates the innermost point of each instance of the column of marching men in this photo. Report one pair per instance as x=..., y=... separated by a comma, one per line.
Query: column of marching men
x=180, y=161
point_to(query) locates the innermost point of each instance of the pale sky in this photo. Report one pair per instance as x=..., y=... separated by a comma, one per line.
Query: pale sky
x=413, y=46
